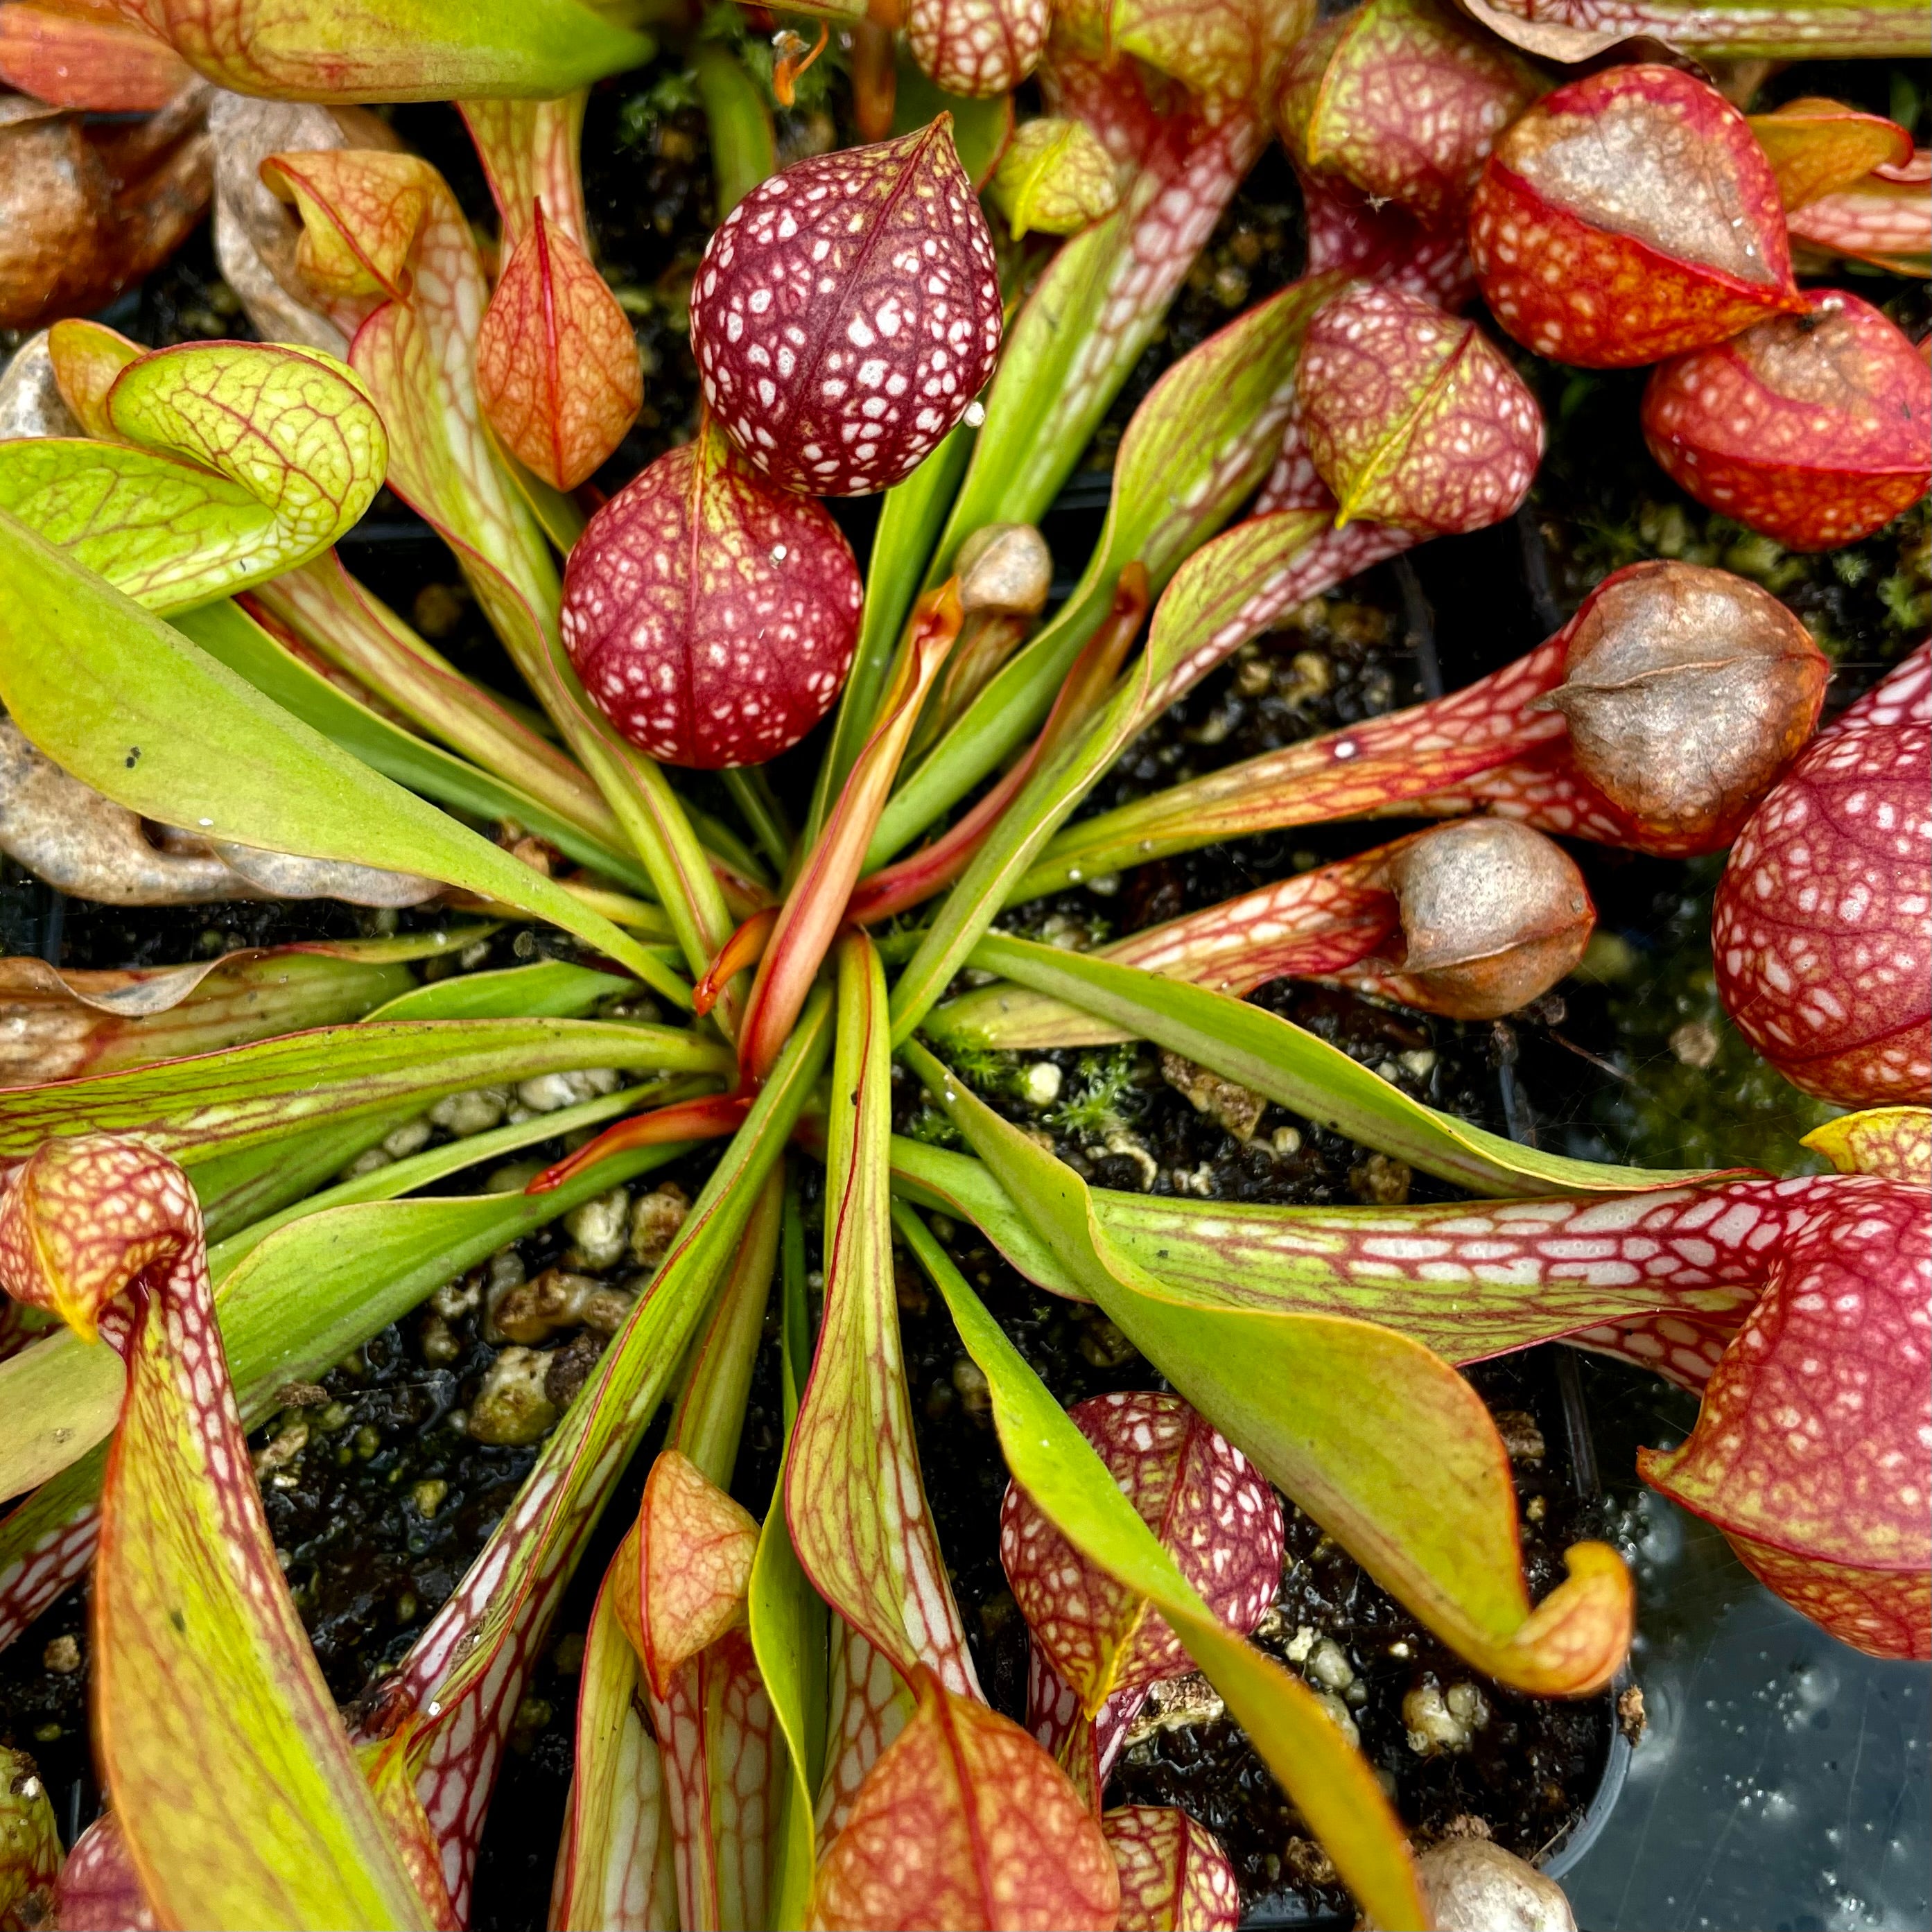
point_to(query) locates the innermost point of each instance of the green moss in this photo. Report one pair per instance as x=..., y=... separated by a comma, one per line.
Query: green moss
x=932, y=1127
x=985, y=1070
x=1098, y=1103
x=637, y=119
x=1907, y=600
x=1601, y=503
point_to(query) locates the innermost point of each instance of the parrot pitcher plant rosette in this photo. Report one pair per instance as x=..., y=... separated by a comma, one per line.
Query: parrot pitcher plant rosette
x=780, y=1719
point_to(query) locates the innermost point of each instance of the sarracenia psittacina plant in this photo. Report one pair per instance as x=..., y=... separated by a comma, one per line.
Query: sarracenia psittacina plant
x=1881, y=220
x=1404, y=100
x=384, y=240
x=678, y=1586
x=61, y=1024
x=1096, y=1649
x=1851, y=184
x=1579, y=31
x=205, y=468
x=850, y=1634
x=106, y=1233
x=1815, y=428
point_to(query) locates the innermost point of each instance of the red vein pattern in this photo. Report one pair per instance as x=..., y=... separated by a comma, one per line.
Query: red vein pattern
x=711, y=616
x=977, y=47
x=1412, y=417
x=1704, y=30
x=1886, y=1614
x=1630, y=695
x=1219, y=50
x=1809, y=1438
x=853, y=1496
x=695, y=1546
x=964, y=1821
x=1343, y=773
x=1630, y=216
x=1405, y=100
x=106, y=1232
x=398, y=233
x=1471, y=1280
x=1815, y=429
x=1187, y=166
x=50, y=1566
x=1819, y=927
x=1308, y=925
x=846, y=313
x=93, y=61
x=615, y=1863
x=556, y=362
x=1087, y=1748
x=467, y=1734
x=1544, y=789
x=98, y=1891
x=720, y=1743
x=1904, y=696
x=1329, y=558
x=1174, y=1876
x=1219, y=1518
x=869, y=1703
x=1678, y=1345
x=1800, y=1306
x=1884, y=219
x=1347, y=229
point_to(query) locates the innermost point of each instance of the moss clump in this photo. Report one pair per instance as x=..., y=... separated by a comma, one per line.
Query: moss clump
x=1101, y=1103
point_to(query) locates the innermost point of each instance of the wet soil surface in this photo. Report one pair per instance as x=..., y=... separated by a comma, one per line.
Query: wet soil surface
x=379, y=1491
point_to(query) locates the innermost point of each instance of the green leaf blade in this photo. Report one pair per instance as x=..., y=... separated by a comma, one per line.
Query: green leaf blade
x=857, y=1506
x=1273, y=1057
x=1379, y=1440
x=1053, y=1462
x=240, y=460
x=237, y=1795
x=402, y=49
x=1194, y=451
x=129, y=705
x=194, y=1109
x=297, y=1293
x=1212, y=606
